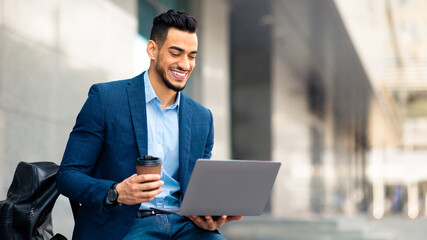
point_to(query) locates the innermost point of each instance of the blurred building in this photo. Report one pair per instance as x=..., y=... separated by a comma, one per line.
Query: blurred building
x=285, y=83
x=391, y=39
x=334, y=90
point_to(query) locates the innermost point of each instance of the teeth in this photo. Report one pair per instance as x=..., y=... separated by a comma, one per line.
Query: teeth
x=179, y=74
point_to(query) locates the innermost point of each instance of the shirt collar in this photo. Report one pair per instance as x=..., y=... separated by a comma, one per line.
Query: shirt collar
x=150, y=95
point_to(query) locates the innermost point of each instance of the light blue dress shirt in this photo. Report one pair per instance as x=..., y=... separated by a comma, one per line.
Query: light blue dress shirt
x=163, y=142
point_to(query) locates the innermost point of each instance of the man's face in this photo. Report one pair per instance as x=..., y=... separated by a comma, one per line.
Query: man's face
x=176, y=58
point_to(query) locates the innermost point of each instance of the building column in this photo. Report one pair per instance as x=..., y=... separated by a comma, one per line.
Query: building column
x=378, y=198
x=212, y=79
x=413, y=200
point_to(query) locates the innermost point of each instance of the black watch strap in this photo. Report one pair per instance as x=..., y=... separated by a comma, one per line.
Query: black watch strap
x=112, y=196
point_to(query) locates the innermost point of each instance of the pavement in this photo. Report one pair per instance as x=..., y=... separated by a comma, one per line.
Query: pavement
x=390, y=227
x=360, y=227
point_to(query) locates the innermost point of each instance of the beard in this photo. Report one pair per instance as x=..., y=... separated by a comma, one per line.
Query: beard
x=160, y=71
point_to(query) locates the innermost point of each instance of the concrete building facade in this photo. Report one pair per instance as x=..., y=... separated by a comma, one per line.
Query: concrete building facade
x=51, y=52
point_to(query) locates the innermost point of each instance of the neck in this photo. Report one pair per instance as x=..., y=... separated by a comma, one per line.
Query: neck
x=166, y=95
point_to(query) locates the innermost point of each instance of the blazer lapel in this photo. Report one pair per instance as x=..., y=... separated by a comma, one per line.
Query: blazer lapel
x=184, y=140
x=138, y=111
x=137, y=105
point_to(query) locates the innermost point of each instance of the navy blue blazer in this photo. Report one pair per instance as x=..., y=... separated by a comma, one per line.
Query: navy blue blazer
x=109, y=135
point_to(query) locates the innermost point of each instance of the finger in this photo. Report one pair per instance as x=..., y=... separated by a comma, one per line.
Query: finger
x=210, y=223
x=132, y=178
x=150, y=185
x=221, y=221
x=148, y=194
x=233, y=218
x=133, y=175
x=135, y=188
x=198, y=221
x=192, y=219
x=147, y=178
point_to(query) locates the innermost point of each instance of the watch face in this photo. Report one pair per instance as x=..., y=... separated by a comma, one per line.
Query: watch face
x=112, y=195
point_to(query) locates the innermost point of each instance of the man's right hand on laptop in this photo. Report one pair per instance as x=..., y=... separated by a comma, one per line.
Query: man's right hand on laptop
x=210, y=224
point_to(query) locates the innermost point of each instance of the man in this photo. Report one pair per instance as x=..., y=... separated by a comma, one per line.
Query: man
x=124, y=120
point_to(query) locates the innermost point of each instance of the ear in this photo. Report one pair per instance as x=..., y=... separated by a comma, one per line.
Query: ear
x=152, y=50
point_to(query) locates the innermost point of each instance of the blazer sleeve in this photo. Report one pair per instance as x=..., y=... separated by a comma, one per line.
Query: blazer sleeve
x=210, y=139
x=81, y=155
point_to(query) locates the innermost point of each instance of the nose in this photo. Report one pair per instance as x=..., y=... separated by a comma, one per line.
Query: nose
x=184, y=63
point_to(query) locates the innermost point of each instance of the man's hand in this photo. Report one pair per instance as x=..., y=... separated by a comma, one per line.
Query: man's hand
x=139, y=188
x=210, y=224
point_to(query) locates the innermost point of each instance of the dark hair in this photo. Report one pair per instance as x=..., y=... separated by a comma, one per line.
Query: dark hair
x=171, y=19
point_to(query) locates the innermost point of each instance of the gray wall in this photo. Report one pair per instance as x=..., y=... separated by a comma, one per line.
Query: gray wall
x=50, y=54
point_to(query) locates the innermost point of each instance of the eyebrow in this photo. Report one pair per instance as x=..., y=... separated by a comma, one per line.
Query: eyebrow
x=181, y=50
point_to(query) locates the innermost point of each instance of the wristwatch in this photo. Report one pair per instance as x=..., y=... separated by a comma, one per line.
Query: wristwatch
x=112, y=195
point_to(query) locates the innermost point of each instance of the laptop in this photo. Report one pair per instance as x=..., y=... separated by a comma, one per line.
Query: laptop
x=227, y=187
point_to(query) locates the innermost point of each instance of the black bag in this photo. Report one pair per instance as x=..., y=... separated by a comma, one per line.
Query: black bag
x=26, y=213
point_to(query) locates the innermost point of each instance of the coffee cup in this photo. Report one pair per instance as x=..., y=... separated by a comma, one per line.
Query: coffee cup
x=148, y=165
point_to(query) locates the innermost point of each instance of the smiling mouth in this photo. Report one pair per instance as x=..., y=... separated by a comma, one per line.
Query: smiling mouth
x=179, y=75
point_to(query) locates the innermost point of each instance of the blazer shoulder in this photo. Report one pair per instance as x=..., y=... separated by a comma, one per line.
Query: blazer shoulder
x=195, y=106
x=116, y=86
x=110, y=93
x=106, y=86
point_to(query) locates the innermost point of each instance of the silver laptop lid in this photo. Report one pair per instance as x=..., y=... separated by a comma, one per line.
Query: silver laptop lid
x=229, y=187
